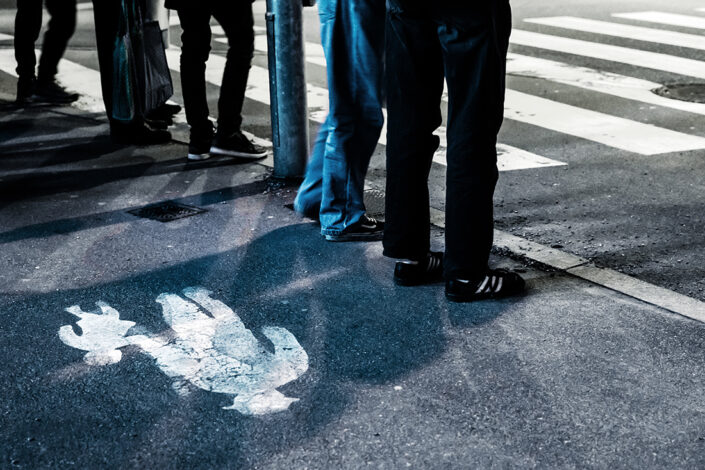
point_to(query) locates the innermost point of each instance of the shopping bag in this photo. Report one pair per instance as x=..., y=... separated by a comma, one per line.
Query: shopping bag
x=124, y=79
x=158, y=86
x=141, y=77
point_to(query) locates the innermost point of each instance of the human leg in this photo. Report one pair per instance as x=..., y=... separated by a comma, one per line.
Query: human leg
x=237, y=22
x=308, y=197
x=195, y=49
x=475, y=49
x=28, y=23
x=61, y=27
x=352, y=35
x=414, y=85
x=106, y=14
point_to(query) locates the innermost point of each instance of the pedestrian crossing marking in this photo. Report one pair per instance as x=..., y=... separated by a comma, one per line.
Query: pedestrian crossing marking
x=607, y=52
x=671, y=19
x=314, y=52
x=639, y=33
x=509, y=158
x=595, y=80
x=644, y=139
x=5, y=37
x=656, y=140
x=73, y=76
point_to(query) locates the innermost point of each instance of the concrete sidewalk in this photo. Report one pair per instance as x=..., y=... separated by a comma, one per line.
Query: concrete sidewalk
x=572, y=375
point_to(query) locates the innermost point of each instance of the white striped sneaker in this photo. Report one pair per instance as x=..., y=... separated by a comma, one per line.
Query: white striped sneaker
x=495, y=284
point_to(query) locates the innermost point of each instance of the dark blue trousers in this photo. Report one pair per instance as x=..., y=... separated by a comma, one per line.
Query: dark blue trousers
x=467, y=46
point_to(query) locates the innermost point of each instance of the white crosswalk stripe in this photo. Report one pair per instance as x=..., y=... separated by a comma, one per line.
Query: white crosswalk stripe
x=671, y=19
x=639, y=33
x=595, y=80
x=508, y=157
x=607, y=52
x=609, y=130
x=614, y=131
x=73, y=76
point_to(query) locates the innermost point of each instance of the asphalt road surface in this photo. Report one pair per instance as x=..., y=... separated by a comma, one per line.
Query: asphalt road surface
x=593, y=164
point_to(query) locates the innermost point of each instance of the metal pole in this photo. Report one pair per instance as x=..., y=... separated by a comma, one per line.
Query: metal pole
x=287, y=87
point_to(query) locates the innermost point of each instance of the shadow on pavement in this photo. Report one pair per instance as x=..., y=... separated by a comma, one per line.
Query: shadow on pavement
x=356, y=326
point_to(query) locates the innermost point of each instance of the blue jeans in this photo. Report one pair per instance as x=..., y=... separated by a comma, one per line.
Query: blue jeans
x=352, y=35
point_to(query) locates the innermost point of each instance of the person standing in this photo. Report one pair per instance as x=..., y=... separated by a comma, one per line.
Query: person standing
x=352, y=35
x=107, y=14
x=465, y=43
x=42, y=87
x=235, y=17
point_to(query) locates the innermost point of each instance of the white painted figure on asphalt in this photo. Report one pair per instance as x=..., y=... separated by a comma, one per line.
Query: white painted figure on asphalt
x=213, y=352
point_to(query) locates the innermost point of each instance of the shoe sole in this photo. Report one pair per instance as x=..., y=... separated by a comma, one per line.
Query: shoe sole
x=198, y=156
x=461, y=298
x=357, y=237
x=416, y=282
x=231, y=153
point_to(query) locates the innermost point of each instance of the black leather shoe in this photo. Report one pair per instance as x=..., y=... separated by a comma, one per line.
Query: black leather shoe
x=425, y=271
x=495, y=284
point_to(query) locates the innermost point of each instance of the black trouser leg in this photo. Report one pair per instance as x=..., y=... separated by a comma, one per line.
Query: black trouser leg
x=28, y=23
x=61, y=27
x=472, y=53
x=474, y=56
x=106, y=14
x=195, y=48
x=238, y=23
x=414, y=84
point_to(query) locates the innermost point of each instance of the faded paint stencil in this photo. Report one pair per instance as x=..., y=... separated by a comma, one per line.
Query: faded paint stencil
x=210, y=348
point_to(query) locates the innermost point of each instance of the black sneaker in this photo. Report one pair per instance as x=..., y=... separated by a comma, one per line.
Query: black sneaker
x=199, y=145
x=425, y=271
x=495, y=284
x=237, y=145
x=365, y=229
x=131, y=134
x=25, y=90
x=52, y=93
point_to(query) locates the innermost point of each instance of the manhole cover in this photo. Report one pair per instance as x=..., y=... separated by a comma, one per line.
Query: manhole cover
x=166, y=211
x=693, y=92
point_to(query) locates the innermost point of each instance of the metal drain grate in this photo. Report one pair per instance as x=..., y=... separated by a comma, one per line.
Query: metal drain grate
x=166, y=211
